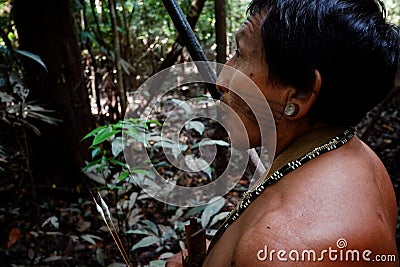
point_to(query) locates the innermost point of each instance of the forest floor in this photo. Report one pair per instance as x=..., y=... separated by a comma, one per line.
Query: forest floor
x=64, y=229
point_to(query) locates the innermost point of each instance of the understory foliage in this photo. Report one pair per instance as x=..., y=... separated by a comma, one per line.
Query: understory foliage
x=123, y=43
x=17, y=116
x=160, y=232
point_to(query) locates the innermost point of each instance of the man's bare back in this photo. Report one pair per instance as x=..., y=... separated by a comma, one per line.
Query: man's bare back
x=344, y=194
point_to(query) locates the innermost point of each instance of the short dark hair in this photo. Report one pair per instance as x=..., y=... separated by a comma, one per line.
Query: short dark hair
x=349, y=42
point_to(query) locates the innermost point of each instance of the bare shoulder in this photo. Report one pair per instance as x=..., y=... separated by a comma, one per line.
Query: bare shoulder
x=341, y=202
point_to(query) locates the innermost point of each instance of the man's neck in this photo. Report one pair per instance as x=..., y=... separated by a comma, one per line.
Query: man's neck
x=289, y=131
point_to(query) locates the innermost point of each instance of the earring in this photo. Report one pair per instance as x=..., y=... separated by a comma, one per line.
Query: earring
x=291, y=109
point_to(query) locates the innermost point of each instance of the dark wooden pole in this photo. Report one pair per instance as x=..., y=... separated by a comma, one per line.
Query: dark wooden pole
x=220, y=30
x=191, y=43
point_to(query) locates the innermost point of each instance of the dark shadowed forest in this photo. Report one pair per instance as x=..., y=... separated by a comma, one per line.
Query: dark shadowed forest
x=68, y=72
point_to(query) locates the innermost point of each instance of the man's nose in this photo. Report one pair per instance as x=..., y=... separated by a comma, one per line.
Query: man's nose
x=225, y=77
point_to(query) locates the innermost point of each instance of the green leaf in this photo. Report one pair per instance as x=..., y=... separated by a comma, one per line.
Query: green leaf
x=136, y=135
x=146, y=242
x=166, y=255
x=91, y=164
x=123, y=175
x=53, y=220
x=91, y=238
x=183, y=105
x=158, y=263
x=210, y=142
x=150, y=225
x=31, y=56
x=196, y=125
x=93, y=132
x=218, y=217
x=103, y=135
x=196, y=164
x=117, y=162
x=96, y=152
x=194, y=211
x=117, y=146
x=4, y=97
x=211, y=209
x=138, y=232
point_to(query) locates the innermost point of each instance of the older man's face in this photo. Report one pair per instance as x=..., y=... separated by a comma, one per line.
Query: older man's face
x=249, y=60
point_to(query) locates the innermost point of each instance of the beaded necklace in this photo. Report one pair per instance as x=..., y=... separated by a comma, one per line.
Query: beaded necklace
x=251, y=195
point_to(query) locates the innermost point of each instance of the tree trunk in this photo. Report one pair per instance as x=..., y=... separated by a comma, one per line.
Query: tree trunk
x=220, y=30
x=47, y=28
x=117, y=52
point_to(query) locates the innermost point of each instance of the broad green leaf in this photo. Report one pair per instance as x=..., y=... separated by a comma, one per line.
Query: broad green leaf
x=158, y=263
x=146, y=242
x=123, y=175
x=220, y=143
x=167, y=232
x=136, y=135
x=93, y=132
x=211, y=209
x=103, y=135
x=91, y=238
x=183, y=105
x=53, y=220
x=95, y=152
x=117, y=162
x=147, y=183
x=150, y=225
x=138, y=232
x=117, y=146
x=208, y=171
x=196, y=125
x=4, y=97
x=31, y=56
x=166, y=255
x=177, y=149
x=91, y=164
x=196, y=164
x=194, y=211
x=132, y=200
x=218, y=217
x=210, y=142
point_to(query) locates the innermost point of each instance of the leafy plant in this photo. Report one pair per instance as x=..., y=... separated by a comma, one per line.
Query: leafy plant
x=16, y=114
x=121, y=183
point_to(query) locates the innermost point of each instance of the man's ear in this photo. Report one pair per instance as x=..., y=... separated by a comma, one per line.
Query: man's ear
x=304, y=100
